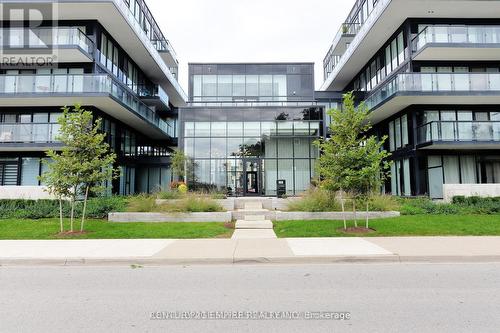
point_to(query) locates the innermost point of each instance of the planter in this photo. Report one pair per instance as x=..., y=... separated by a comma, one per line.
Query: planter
x=291, y=216
x=170, y=217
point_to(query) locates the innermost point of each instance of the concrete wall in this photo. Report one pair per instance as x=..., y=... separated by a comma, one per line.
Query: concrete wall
x=170, y=217
x=470, y=190
x=24, y=192
x=290, y=216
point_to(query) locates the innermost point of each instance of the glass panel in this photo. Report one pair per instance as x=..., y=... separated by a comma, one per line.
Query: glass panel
x=30, y=170
x=285, y=172
x=197, y=83
x=406, y=177
x=225, y=85
x=252, y=85
x=468, y=169
x=209, y=85
x=202, y=129
x=302, y=175
x=271, y=172
x=238, y=85
x=251, y=129
x=219, y=129
x=266, y=85
x=189, y=129
x=202, y=148
x=451, y=170
x=465, y=126
x=279, y=85
x=234, y=147
x=218, y=148
x=234, y=128
x=436, y=183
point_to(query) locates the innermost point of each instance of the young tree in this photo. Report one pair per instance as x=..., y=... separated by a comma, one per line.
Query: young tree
x=351, y=160
x=85, y=162
x=179, y=161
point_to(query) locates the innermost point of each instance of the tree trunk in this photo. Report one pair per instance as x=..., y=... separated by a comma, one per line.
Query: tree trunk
x=71, y=215
x=367, y=223
x=354, y=211
x=84, y=208
x=61, y=214
x=343, y=210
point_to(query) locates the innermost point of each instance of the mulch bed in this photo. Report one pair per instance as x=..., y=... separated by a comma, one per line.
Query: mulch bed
x=358, y=230
x=71, y=233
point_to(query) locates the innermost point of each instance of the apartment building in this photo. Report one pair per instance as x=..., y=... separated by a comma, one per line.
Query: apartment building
x=111, y=57
x=430, y=73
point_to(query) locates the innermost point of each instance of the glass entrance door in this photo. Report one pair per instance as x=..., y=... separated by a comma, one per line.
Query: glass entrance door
x=252, y=177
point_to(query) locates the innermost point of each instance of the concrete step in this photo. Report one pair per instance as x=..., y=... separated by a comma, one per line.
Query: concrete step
x=243, y=214
x=255, y=217
x=254, y=234
x=253, y=205
x=264, y=224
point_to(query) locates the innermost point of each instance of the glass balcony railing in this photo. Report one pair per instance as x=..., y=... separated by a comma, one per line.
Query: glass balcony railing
x=82, y=84
x=29, y=132
x=44, y=37
x=455, y=34
x=459, y=131
x=332, y=58
x=157, y=91
x=434, y=83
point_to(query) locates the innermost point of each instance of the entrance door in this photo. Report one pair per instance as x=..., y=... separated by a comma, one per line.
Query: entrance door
x=252, y=179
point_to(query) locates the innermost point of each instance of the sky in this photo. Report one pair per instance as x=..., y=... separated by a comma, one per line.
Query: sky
x=250, y=30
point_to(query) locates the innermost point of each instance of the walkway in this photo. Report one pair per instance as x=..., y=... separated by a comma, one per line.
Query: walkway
x=291, y=250
x=254, y=224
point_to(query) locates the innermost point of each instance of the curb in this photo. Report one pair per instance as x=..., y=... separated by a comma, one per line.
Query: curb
x=247, y=260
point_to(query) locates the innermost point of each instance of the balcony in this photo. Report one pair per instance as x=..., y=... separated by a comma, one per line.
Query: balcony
x=341, y=42
x=459, y=135
x=99, y=90
x=156, y=97
x=457, y=43
x=385, y=18
x=28, y=136
x=433, y=88
x=63, y=44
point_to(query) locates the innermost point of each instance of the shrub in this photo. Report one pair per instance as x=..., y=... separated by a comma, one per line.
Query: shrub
x=141, y=203
x=383, y=203
x=39, y=209
x=182, y=188
x=171, y=195
x=315, y=200
x=191, y=203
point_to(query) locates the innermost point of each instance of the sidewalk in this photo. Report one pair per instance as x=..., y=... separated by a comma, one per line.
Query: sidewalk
x=231, y=251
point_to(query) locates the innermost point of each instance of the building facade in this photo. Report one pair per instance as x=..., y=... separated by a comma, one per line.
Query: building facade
x=109, y=56
x=430, y=74
x=249, y=125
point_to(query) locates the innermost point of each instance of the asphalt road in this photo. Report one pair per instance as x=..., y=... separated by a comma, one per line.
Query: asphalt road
x=378, y=298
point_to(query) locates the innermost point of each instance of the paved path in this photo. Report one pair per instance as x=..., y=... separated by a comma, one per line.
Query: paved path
x=301, y=250
x=379, y=297
x=254, y=224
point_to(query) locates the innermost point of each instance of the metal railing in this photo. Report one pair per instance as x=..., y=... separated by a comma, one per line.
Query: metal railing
x=81, y=84
x=459, y=131
x=44, y=37
x=29, y=132
x=457, y=34
x=156, y=91
x=253, y=103
x=435, y=82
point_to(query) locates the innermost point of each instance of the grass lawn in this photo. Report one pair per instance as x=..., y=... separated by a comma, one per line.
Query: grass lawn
x=101, y=229
x=414, y=225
